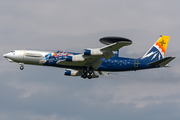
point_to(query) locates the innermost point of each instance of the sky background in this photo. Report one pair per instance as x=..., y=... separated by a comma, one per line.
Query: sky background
x=44, y=93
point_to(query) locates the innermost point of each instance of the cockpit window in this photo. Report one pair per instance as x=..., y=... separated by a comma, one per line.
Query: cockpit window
x=13, y=52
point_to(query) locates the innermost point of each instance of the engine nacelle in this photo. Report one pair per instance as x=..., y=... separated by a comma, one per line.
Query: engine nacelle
x=75, y=58
x=70, y=72
x=93, y=52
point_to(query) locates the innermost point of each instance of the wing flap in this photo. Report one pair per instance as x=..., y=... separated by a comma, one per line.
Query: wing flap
x=162, y=62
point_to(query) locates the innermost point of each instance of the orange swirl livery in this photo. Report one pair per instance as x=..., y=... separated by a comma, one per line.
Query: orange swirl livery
x=162, y=44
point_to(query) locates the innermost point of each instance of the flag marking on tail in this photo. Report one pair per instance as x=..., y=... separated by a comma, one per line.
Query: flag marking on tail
x=162, y=44
x=158, y=50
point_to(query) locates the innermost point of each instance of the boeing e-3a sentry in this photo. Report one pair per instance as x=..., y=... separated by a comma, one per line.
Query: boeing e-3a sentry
x=94, y=62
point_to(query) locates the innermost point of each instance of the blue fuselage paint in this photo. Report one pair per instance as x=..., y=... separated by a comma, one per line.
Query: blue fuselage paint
x=112, y=64
x=123, y=64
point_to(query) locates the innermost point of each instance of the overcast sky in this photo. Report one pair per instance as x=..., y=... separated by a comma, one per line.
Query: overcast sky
x=44, y=93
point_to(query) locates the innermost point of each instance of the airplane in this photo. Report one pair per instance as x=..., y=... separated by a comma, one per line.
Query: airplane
x=95, y=61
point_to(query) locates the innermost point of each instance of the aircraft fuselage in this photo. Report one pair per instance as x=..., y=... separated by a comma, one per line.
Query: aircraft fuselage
x=47, y=58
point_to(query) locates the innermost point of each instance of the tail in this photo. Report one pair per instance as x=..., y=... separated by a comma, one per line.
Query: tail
x=158, y=50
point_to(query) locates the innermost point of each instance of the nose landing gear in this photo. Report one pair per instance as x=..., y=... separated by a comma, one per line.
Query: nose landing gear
x=21, y=66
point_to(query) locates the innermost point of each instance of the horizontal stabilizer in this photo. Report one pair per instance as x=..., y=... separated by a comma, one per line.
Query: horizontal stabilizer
x=162, y=62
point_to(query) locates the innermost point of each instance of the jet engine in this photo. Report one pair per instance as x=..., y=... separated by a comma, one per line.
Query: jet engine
x=77, y=58
x=71, y=72
x=93, y=52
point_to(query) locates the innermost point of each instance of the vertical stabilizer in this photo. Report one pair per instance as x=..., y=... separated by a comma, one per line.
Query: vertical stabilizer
x=158, y=50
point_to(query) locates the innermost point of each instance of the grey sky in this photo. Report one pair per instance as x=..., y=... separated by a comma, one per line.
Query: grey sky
x=45, y=93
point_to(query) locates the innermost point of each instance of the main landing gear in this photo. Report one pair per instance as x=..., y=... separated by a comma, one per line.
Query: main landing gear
x=87, y=73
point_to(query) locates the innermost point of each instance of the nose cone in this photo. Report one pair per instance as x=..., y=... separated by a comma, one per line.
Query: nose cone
x=8, y=57
x=5, y=55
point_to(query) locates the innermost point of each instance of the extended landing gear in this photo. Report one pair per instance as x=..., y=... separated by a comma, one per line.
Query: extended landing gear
x=87, y=73
x=84, y=75
x=21, y=66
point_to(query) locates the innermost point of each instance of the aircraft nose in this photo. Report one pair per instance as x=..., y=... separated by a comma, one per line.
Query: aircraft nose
x=5, y=55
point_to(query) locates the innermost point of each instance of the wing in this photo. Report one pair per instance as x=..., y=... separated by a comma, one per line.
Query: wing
x=84, y=61
x=91, y=57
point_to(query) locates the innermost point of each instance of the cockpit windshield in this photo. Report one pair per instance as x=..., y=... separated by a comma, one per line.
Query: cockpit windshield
x=12, y=51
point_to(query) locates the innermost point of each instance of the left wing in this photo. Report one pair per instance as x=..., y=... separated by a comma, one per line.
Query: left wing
x=91, y=57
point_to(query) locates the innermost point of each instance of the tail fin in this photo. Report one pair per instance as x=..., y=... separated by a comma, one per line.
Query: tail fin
x=158, y=50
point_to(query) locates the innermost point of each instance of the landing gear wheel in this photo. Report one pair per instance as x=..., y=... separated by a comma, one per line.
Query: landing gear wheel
x=21, y=67
x=85, y=71
x=84, y=76
x=90, y=72
x=89, y=76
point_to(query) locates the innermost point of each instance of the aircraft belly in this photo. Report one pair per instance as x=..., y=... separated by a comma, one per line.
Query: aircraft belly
x=66, y=63
x=122, y=68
